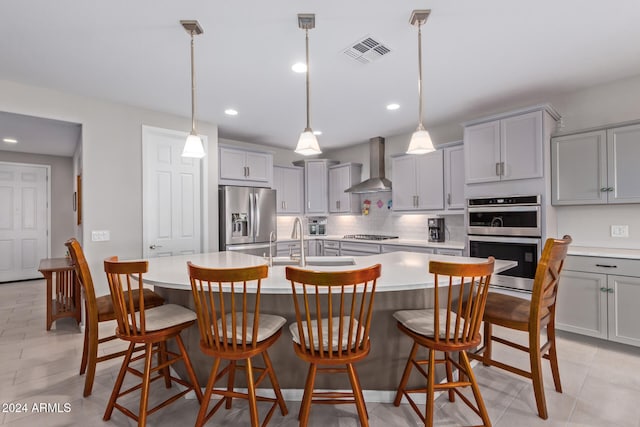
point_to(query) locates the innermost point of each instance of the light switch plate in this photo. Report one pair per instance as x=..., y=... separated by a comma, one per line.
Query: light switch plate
x=619, y=231
x=100, y=235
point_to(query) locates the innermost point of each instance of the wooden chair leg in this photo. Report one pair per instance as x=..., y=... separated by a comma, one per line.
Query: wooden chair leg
x=476, y=390
x=85, y=350
x=92, y=358
x=449, y=369
x=553, y=356
x=361, y=394
x=253, y=403
x=431, y=372
x=190, y=372
x=208, y=391
x=307, y=397
x=405, y=375
x=162, y=358
x=274, y=383
x=536, y=373
x=144, y=393
x=118, y=385
x=488, y=339
x=231, y=378
x=357, y=394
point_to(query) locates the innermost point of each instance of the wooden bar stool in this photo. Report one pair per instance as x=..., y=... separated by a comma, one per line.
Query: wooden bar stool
x=233, y=329
x=333, y=318
x=441, y=329
x=151, y=327
x=530, y=316
x=98, y=309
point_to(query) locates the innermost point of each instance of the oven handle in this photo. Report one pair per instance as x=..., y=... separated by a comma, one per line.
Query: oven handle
x=503, y=239
x=504, y=209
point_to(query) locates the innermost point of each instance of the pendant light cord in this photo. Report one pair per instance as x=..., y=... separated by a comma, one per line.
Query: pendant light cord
x=420, y=75
x=193, y=89
x=307, y=60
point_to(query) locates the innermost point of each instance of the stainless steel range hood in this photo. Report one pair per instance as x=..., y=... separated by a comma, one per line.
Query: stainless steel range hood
x=377, y=182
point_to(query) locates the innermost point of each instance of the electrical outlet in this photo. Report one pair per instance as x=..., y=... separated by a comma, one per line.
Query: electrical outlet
x=100, y=235
x=619, y=231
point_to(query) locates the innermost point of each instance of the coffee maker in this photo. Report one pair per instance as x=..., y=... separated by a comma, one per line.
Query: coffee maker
x=436, y=229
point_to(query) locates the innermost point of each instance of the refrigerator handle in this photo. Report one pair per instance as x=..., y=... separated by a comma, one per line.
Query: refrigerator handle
x=257, y=204
x=252, y=215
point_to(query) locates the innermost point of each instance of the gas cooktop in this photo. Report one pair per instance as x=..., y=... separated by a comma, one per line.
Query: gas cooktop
x=369, y=237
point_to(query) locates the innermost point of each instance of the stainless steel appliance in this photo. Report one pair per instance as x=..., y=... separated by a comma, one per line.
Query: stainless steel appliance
x=436, y=229
x=247, y=218
x=317, y=226
x=507, y=228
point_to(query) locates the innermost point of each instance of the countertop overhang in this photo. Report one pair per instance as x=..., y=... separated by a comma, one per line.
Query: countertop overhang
x=400, y=270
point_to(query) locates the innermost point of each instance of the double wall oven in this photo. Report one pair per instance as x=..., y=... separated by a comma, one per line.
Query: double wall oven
x=507, y=228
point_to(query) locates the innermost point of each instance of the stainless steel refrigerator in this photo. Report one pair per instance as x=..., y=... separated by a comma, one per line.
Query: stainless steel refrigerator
x=247, y=218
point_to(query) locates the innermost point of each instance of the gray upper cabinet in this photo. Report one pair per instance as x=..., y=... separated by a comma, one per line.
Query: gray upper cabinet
x=341, y=177
x=454, y=177
x=597, y=167
x=623, y=173
x=245, y=167
x=505, y=149
x=316, y=185
x=288, y=183
x=418, y=182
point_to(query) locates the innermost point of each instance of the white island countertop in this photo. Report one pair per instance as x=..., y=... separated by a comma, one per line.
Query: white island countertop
x=400, y=270
x=604, y=252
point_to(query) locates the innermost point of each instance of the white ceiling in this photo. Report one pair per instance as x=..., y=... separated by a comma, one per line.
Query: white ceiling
x=478, y=56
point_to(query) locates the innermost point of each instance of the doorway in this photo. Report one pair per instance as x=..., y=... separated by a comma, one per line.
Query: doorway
x=25, y=216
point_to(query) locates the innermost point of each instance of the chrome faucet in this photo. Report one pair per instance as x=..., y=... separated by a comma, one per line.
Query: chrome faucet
x=298, y=233
x=272, y=239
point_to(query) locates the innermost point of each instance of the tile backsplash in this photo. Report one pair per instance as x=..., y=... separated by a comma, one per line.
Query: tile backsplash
x=382, y=220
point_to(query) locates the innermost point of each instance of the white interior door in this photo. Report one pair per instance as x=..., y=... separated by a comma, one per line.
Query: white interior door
x=172, y=195
x=24, y=220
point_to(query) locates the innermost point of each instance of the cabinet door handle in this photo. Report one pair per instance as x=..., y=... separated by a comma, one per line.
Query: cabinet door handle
x=610, y=290
x=449, y=199
x=606, y=266
x=604, y=189
x=497, y=168
x=603, y=289
x=501, y=168
x=610, y=189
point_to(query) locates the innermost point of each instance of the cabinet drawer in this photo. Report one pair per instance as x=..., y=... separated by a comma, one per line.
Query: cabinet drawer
x=360, y=247
x=451, y=252
x=331, y=244
x=618, y=266
x=397, y=248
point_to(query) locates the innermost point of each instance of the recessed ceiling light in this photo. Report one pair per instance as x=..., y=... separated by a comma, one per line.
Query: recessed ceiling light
x=10, y=140
x=392, y=107
x=231, y=112
x=317, y=132
x=299, y=67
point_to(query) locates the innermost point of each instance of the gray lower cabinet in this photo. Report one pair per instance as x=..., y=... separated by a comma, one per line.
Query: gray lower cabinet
x=598, y=296
x=290, y=248
x=398, y=248
x=358, y=249
x=452, y=252
x=330, y=248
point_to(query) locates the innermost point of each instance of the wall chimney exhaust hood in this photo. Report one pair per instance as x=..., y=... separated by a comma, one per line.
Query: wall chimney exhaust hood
x=377, y=182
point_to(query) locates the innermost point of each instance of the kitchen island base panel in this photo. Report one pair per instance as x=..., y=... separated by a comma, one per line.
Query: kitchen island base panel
x=380, y=371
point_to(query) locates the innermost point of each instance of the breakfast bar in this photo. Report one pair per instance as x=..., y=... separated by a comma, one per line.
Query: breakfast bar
x=404, y=284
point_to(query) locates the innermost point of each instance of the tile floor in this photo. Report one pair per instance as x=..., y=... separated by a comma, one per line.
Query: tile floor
x=601, y=382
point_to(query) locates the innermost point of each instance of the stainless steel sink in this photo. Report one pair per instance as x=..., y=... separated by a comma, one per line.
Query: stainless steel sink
x=318, y=261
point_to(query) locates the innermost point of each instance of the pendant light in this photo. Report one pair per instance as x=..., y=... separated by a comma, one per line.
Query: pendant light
x=420, y=140
x=193, y=146
x=307, y=143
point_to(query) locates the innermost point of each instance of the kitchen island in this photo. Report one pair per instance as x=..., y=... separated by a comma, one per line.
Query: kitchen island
x=404, y=284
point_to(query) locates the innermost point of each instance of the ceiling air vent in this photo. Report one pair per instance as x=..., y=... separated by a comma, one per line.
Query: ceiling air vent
x=366, y=50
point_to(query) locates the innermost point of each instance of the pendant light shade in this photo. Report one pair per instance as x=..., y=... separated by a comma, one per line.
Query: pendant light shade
x=420, y=140
x=193, y=146
x=307, y=143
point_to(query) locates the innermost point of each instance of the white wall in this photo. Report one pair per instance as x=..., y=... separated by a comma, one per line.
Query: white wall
x=111, y=163
x=62, y=187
